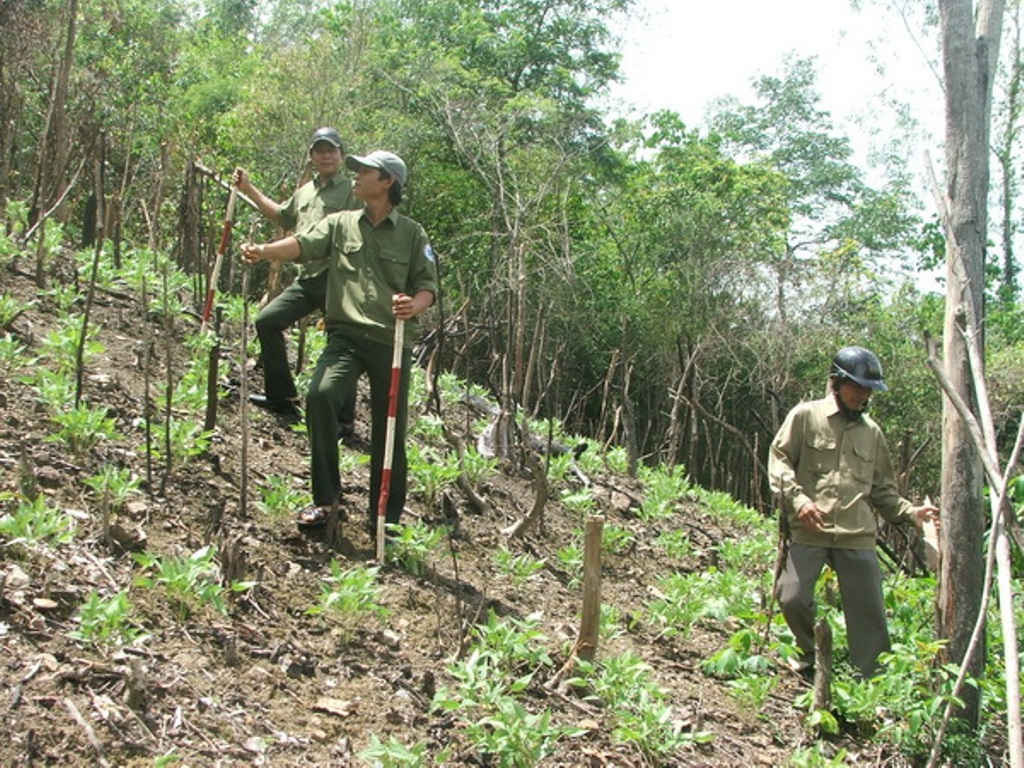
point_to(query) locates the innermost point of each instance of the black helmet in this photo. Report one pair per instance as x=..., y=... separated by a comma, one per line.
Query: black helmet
x=859, y=365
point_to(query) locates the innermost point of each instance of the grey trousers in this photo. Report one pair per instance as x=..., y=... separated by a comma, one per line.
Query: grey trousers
x=860, y=586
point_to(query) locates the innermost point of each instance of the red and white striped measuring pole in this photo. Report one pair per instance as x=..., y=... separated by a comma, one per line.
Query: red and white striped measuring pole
x=389, y=440
x=225, y=239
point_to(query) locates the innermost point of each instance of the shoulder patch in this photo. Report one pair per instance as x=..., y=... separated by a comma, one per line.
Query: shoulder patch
x=428, y=254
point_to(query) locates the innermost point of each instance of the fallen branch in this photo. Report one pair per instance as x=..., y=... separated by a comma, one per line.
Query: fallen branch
x=90, y=734
x=540, y=498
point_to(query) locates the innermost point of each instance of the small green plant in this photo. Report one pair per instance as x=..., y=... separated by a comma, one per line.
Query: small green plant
x=687, y=598
x=430, y=474
x=514, y=645
x=35, y=521
x=54, y=388
x=676, y=544
x=726, y=508
x=641, y=716
x=114, y=484
x=349, y=461
x=519, y=568
x=478, y=469
x=12, y=353
x=106, y=622
x=617, y=460
x=751, y=691
x=188, y=440
x=418, y=386
x=610, y=622
x=664, y=487
x=558, y=467
x=166, y=760
x=753, y=554
x=60, y=346
x=428, y=427
x=580, y=502
x=411, y=546
x=349, y=596
x=83, y=427
x=64, y=296
x=516, y=737
x=394, y=754
x=279, y=496
x=189, y=393
x=615, y=539
x=571, y=559
x=189, y=582
x=738, y=658
x=816, y=757
x=10, y=308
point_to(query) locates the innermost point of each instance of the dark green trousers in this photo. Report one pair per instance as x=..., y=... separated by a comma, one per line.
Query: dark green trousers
x=332, y=385
x=304, y=296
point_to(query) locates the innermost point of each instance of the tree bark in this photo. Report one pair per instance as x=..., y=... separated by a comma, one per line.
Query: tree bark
x=969, y=54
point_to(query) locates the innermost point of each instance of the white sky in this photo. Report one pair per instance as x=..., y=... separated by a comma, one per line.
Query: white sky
x=681, y=54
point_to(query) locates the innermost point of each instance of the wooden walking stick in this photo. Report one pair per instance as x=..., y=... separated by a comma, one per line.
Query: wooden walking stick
x=389, y=441
x=225, y=239
x=243, y=394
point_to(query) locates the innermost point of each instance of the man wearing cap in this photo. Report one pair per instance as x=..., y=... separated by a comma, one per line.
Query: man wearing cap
x=829, y=465
x=327, y=192
x=380, y=267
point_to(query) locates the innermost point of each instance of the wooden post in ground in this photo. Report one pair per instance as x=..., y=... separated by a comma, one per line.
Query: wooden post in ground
x=822, y=665
x=587, y=644
x=213, y=372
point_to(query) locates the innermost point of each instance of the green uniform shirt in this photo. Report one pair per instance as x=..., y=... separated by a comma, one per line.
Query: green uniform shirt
x=310, y=203
x=843, y=466
x=368, y=265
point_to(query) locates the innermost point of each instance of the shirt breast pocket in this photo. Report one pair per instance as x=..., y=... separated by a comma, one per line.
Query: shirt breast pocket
x=862, y=462
x=394, y=268
x=349, y=255
x=819, y=454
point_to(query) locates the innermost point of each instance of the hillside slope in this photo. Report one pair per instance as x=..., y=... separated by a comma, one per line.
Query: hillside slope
x=265, y=682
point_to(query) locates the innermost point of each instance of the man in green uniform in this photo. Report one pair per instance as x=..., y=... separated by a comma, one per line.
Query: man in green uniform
x=830, y=466
x=327, y=192
x=380, y=267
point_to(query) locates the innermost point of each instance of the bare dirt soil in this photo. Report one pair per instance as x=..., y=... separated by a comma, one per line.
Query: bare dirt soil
x=266, y=683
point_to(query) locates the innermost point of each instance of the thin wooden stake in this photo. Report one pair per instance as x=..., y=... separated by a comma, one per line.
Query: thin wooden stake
x=243, y=394
x=587, y=645
x=822, y=664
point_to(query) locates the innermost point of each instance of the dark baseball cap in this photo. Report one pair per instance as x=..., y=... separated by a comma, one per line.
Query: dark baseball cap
x=330, y=135
x=388, y=162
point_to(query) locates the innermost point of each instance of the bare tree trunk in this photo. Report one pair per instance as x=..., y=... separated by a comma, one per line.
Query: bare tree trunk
x=53, y=149
x=969, y=54
x=1005, y=155
x=629, y=424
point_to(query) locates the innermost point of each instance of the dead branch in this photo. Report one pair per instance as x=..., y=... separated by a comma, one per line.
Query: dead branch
x=540, y=498
x=90, y=734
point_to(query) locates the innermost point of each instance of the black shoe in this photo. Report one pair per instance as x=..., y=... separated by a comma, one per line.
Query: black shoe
x=282, y=407
x=346, y=430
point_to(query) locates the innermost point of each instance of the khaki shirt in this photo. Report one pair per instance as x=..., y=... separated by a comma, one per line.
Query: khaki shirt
x=843, y=466
x=367, y=266
x=310, y=203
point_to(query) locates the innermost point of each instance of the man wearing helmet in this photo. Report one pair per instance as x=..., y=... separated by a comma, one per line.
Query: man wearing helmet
x=830, y=466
